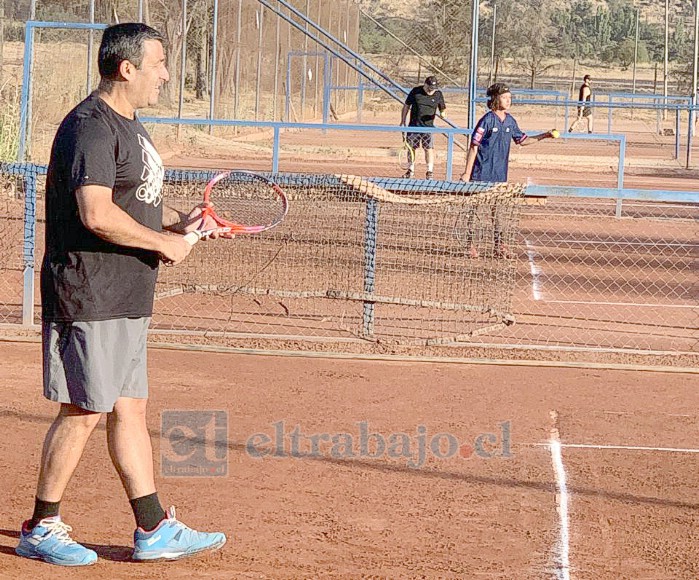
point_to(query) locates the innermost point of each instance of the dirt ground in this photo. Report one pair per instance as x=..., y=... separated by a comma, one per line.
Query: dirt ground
x=350, y=509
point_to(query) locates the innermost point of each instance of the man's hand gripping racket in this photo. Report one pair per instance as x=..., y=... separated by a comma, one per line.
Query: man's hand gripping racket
x=238, y=202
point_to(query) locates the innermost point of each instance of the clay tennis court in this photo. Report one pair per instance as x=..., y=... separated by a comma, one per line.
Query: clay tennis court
x=631, y=513
x=626, y=473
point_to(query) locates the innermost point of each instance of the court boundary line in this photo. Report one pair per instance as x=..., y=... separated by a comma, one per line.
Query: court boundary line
x=595, y=447
x=635, y=305
x=562, y=500
x=535, y=271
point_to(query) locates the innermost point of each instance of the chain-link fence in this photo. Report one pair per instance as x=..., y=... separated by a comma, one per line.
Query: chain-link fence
x=250, y=60
x=589, y=273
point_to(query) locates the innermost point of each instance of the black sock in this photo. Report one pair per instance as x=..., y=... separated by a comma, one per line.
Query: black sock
x=147, y=511
x=43, y=509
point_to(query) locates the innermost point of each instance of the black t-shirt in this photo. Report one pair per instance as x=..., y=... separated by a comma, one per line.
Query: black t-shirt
x=83, y=277
x=423, y=107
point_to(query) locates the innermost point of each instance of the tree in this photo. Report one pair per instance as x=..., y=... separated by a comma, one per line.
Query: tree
x=534, y=31
x=625, y=50
x=443, y=28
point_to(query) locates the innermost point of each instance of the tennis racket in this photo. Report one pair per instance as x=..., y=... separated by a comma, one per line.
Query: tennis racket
x=240, y=202
x=406, y=155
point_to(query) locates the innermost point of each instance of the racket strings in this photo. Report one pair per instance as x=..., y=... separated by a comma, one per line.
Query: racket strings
x=247, y=203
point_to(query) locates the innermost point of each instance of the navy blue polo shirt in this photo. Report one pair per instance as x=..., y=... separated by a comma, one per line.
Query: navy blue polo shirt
x=493, y=138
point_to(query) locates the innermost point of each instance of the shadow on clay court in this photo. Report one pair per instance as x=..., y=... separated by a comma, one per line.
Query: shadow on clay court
x=362, y=464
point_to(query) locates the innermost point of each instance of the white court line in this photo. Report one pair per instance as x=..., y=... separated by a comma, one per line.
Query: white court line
x=596, y=303
x=626, y=448
x=535, y=271
x=563, y=556
x=625, y=243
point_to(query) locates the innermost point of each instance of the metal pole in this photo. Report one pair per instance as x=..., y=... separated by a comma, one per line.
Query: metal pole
x=635, y=53
x=90, y=42
x=492, y=47
x=277, y=51
x=304, y=63
x=473, y=75
x=316, y=96
x=666, y=56
x=695, y=71
x=236, y=98
x=260, y=45
x=25, y=155
x=140, y=10
x=183, y=62
x=346, y=68
x=2, y=37
x=212, y=100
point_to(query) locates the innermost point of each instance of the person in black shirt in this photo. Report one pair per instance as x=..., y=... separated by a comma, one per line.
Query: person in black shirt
x=423, y=103
x=584, y=110
x=104, y=240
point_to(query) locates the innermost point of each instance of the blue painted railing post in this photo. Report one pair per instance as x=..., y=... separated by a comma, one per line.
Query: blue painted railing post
x=287, y=98
x=620, y=172
x=677, y=133
x=690, y=132
x=360, y=99
x=29, y=248
x=450, y=155
x=370, y=236
x=275, y=151
x=25, y=99
x=327, y=92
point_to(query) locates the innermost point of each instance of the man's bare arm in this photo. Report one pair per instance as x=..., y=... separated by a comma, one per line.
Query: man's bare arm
x=107, y=220
x=404, y=114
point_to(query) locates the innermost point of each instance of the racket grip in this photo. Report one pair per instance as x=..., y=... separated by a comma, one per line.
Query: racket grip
x=192, y=237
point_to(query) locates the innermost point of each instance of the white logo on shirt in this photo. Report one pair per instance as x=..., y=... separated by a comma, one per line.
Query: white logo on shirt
x=151, y=190
x=495, y=129
x=507, y=130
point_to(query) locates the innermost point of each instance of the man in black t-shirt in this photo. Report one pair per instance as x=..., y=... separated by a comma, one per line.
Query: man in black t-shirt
x=584, y=109
x=423, y=103
x=104, y=240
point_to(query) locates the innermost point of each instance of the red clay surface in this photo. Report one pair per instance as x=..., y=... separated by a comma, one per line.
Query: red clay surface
x=634, y=514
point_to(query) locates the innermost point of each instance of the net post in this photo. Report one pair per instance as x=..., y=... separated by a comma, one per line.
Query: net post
x=29, y=245
x=370, y=237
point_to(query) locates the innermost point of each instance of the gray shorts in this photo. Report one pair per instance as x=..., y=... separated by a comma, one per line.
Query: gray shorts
x=92, y=364
x=417, y=140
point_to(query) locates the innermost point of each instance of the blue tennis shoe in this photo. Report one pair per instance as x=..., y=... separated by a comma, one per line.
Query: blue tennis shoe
x=50, y=541
x=172, y=540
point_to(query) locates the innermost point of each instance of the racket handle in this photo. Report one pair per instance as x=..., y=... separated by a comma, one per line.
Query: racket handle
x=193, y=237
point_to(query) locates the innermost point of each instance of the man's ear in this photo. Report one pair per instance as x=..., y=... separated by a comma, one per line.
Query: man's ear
x=126, y=69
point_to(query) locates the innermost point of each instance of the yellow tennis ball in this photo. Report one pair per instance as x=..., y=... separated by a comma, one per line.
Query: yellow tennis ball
x=555, y=134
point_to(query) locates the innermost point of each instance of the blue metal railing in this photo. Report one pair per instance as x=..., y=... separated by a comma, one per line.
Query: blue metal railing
x=29, y=173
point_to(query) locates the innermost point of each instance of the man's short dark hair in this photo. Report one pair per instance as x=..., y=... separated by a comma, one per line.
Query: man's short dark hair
x=587, y=78
x=122, y=42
